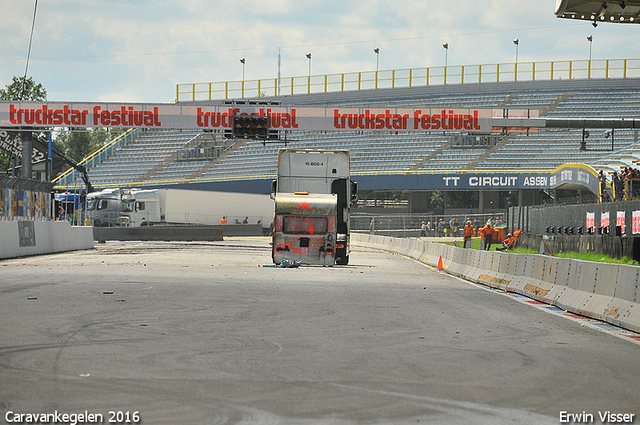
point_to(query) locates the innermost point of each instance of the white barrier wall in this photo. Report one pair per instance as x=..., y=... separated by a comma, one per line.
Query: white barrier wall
x=24, y=238
x=608, y=292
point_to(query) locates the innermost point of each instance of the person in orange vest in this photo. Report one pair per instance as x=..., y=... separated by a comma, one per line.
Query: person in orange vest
x=224, y=220
x=507, y=243
x=468, y=234
x=516, y=235
x=488, y=232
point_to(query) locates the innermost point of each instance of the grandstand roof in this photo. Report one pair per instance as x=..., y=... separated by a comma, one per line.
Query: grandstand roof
x=616, y=11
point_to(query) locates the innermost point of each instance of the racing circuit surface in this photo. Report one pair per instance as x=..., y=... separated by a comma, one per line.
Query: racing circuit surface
x=202, y=333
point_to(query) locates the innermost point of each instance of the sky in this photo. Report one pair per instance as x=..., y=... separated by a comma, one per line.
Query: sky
x=137, y=51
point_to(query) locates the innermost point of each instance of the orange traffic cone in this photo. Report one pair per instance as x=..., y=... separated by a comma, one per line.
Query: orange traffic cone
x=440, y=267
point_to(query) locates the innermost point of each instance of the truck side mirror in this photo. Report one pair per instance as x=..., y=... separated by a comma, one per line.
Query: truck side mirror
x=274, y=186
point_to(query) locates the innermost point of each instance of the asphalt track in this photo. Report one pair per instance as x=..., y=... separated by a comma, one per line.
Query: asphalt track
x=201, y=333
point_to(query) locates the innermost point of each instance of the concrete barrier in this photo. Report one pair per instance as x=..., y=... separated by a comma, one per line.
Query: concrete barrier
x=607, y=292
x=522, y=274
x=500, y=267
x=161, y=233
x=25, y=238
x=627, y=295
x=458, y=262
x=476, y=267
x=468, y=261
x=564, y=272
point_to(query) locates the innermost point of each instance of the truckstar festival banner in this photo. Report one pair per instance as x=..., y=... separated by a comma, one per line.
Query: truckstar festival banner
x=180, y=116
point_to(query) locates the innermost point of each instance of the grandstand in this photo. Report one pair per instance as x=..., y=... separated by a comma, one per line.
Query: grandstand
x=197, y=158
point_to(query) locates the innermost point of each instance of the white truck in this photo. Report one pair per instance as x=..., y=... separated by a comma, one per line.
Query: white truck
x=147, y=207
x=304, y=174
x=104, y=208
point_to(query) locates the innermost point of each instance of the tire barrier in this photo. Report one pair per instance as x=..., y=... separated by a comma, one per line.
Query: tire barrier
x=603, y=291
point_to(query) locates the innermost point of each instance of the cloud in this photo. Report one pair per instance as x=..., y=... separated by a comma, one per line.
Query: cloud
x=138, y=51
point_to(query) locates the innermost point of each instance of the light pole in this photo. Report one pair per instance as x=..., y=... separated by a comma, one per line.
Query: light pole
x=309, y=80
x=590, y=40
x=242, y=61
x=377, y=51
x=446, y=59
x=515, y=69
x=446, y=53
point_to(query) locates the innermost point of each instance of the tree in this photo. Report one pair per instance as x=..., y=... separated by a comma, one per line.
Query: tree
x=20, y=89
x=77, y=143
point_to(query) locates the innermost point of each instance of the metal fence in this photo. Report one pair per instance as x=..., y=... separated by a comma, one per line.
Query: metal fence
x=568, y=219
x=409, y=225
x=439, y=75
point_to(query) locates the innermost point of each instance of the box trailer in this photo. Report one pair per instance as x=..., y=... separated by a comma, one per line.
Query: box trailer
x=149, y=207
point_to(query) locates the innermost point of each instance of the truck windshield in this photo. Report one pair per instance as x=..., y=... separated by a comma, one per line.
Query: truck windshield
x=91, y=204
x=103, y=204
x=304, y=225
x=127, y=206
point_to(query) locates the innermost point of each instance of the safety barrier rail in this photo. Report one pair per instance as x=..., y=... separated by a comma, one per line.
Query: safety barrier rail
x=439, y=75
x=95, y=158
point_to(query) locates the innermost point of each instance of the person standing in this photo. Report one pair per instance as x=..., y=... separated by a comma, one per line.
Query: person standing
x=488, y=231
x=423, y=229
x=468, y=234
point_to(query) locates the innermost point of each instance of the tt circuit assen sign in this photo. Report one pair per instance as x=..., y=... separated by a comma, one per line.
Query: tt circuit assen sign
x=568, y=175
x=458, y=181
x=180, y=116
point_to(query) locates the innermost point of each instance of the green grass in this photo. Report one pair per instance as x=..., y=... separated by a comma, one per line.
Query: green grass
x=476, y=243
x=592, y=256
x=587, y=256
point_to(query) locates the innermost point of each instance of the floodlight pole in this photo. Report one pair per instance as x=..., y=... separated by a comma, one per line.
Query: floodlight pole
x=309, y=82
x=515, y=70
x=590, y=40
x=446, y=59
x=446, y=53
x=242, y=60
x=377, y=52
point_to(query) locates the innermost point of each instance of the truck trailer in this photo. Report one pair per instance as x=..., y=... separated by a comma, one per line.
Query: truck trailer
x=314, y=172
x=148, y=207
